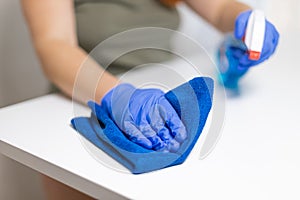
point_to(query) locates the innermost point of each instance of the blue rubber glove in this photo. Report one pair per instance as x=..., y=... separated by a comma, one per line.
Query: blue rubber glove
x=145, y=117
x=269, y=46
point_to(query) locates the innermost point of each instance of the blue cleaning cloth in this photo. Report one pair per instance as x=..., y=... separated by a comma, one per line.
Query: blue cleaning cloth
x=192, y=101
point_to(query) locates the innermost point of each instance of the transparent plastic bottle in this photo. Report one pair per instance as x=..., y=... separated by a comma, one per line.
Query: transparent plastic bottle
x=228, y=63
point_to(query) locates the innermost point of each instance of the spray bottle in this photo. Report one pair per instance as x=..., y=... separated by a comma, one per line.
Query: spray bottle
x=252, y=43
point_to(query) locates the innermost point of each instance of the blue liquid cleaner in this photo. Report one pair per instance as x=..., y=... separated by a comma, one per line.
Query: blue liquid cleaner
x=229, y=71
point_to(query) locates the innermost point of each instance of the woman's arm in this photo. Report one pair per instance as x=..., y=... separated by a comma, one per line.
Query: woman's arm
x=220, y=13
x=53, y=30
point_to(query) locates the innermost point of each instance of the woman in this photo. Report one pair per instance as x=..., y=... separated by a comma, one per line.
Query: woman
x=65, y=31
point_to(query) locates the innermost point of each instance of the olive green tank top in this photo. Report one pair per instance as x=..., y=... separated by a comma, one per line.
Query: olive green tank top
x=97, y=20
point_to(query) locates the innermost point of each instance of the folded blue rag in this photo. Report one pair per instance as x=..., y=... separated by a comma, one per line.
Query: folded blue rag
x=192, y=101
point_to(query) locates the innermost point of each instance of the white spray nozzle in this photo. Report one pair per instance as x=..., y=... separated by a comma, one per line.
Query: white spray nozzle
x=255, y=34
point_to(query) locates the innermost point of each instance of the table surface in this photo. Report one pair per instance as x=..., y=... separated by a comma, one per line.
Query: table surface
x=257, y=157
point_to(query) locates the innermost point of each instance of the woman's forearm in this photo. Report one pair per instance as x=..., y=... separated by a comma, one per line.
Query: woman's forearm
x=219, y=13
x=228, y=15
x=70, y=69
x=53, y=29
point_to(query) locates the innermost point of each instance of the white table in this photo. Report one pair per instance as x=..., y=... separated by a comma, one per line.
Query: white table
x=257, y=157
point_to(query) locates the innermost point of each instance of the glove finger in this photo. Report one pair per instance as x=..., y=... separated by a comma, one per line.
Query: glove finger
x=173, y=146
x=237, y=52
x=275, y=37
x=158, y=125
x=243, y=56
x=151, y=135
x=244, y=60
x=169, y=142
x=241, y=24
x=177, y=128
x=173, y=122
x=135, y=135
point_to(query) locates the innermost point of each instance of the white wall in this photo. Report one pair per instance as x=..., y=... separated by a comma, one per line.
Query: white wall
x=20, y=74
x=20, y=79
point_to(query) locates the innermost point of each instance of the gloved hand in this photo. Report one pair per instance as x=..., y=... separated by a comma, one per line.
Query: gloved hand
x=269, y=46
x=145, y=117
